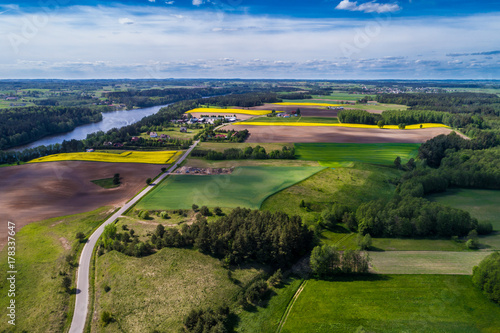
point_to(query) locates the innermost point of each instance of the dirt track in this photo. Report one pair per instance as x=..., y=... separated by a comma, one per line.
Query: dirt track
x=261, y=134
x=33, y=192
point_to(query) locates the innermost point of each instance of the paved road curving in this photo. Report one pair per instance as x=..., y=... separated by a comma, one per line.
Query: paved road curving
x=82, y=282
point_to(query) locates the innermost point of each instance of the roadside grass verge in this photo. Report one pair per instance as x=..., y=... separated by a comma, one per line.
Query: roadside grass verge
x=42, y=304
x=157, y=157
x=393, y=304
x=426, y=262
x=344, y=154
x=245, y=187
x=158, y=291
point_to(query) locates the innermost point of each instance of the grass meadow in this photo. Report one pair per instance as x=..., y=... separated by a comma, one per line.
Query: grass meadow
x=245, y=187
x=393, y=303
x=348, y=186
x=481, y=204
x=157, y=157
x=344, y=154
x=158, y=291
x=42, y=304
x=426, y=262
x=298, y=120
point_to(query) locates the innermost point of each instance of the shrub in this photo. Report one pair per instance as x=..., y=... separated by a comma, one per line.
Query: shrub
x=106, y=318
x=487, y=276
x=484, y=228
x=204, y=211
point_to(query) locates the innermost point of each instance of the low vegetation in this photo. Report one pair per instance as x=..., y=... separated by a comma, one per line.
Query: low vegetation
x=230, y=112
x=487, y=276
x=393, y=303
x=257, y=153
x=47, y=259
x=245, y=187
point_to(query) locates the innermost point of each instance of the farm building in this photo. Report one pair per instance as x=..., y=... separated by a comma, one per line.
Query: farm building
x=153, y=135
x=183, y=129
x=91, y=150
x=134, y=139
x=164, y=136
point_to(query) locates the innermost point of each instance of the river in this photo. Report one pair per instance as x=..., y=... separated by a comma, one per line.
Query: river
x=110, y=120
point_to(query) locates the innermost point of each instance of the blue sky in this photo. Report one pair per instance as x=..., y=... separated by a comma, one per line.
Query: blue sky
x=315, y=39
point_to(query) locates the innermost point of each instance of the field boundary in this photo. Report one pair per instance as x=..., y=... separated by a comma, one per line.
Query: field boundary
x=290, y=305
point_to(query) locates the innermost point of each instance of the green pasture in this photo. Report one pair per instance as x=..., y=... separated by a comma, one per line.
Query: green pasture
x=481, y=204
x=324, y=120
x=393, y=304
x=344, y=154
x=245, y=187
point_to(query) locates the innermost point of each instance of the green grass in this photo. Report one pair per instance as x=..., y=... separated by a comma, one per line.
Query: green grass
x=405, y=244
x=267, y=317
x=105, y=183
x=378, y=107
x=42, y=304
x=245, y=187
x=393, y=303
x=343, y=154
x=203, y=163
x=340, y=96
x=323, y=120
x=221, y=146
x=481, y=204
x=426, y=262
x=348, y=186
x=158, y=291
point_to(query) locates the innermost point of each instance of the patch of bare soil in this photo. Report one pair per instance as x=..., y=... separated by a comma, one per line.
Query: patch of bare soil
x=34, y=192
x=185, y=170
x=297, y=134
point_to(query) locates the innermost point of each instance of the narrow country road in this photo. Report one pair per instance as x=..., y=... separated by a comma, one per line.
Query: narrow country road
x=83, y=276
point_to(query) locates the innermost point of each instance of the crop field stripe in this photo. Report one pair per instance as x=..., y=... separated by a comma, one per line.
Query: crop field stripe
x=343, y=154
x=245, y=187
x=157, y=157
x=408, y=127
x=326, y=103
x=208, y=111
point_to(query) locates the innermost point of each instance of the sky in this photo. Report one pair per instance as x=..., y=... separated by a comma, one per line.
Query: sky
x=250, y=39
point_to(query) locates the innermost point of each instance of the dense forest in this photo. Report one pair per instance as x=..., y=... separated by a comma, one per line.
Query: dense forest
x=24, y=125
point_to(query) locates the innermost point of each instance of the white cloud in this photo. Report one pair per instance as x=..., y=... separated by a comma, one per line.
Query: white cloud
x=125, y=20
x=197, y=2
x=169, y=2
x=152, y=0
x=368, y=7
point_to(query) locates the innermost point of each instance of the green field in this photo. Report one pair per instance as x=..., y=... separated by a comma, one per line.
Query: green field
x=105, y=183
x=348, y=186
x=323, y=120
x=245, y=187
x=426, y=262
x=267, y=317
x=378, y=107
x=42, y=304
x=481, y=204
x=344, y=154
x=158, y=291
x=393, y=303
x=341, y=96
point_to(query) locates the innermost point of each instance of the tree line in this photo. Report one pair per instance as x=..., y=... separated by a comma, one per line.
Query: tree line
x=257, y=152
x=24, y=125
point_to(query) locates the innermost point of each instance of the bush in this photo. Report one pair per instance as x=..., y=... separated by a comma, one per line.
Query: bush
x=256, y=292
x=364, y=242
x=107, y=288
x=164, y=215
x=326, y=260
x=80, y=236
x=276, y=278
x=204, y=211
x=487, y=276
x=106, y=318
x=194, y=207
x=484, y=228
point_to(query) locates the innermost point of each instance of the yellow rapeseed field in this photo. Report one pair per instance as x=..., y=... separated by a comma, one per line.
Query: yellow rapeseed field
x=416, y=126
x=307, y=104
x=156, y=157
x=209, y=111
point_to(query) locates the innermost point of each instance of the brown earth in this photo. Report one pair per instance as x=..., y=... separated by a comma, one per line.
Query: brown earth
x=296, y=134
x=34, y=192
x=304, y=111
